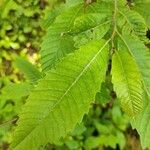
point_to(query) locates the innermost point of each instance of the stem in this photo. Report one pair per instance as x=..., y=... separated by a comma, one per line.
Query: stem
x=114, y=25
x=8, y=122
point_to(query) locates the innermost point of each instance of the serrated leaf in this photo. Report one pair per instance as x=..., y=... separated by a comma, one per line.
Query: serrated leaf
x=91, y=26
x=141, y=123
x=89, y=21
x=62, y=97
x=127, y=82
x=50, y=15
x=102, y=7
x=29, y=70
x=57, y=43
x=141, y=54
x=134, y=24
x=142, y=6
x=96, y=33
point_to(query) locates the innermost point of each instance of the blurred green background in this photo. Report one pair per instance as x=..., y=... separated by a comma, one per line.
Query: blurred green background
x=23, y=23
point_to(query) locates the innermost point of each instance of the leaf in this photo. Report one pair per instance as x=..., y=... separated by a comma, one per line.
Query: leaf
x=15, y=91
x=30, y=71
x=79, y=129
x=57, y=43
x=50, y=15
x=92, y=142
x=142, y=6
x=141, y=55
x=109, y=140
x=91, y=26
x=102, y=7
x=62, y=97
x=134, y=24
x=127, y=82
x=72, y=144
x=89, y=21
x=103, y=97
x=73, y=2
x=142, y=125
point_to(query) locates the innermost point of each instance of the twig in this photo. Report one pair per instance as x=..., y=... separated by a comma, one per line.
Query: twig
x=114, y=25
x=8, y=122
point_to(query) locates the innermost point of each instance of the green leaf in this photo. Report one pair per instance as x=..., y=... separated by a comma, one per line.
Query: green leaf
x=89, y=21
x=109, y=140
x=72, y=144
x=142, y=6
x=91, y=26
x=57, y=43
x=62, y=97
x=141, y=55
x=134, y=24
x=102, y=7
x=72, y=2
x=92, y=142
x=50, y=15
x=30, y=71
x=127, y=82
x=103, y=97
x=79, y=129
x=142, y=125
x=15, y=91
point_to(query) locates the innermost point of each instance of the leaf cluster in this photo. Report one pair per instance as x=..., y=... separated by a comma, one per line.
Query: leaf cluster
x=85, y=43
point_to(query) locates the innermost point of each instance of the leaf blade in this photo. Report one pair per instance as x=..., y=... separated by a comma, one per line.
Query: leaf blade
x=127, y=82
x=30, y=71
x=141, y=55
x=56, y=43
x=66, y=101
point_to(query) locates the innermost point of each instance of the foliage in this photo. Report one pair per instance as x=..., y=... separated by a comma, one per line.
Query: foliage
x=94, y=53
x=20, y=34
